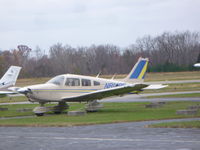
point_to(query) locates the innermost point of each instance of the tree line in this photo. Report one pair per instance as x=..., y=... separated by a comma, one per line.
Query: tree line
x=176, y=51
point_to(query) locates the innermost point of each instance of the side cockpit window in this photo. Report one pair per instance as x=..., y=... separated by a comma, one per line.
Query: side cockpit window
x=57, y=80
x=72, y=82
x=85, y=82
x=96, y=83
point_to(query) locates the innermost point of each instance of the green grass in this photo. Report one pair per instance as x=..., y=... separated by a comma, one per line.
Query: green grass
x=13, y=99
x=183, y=124
x=12, y=110
x=30, y=81
x=171, y=76
x=111, y=113
x=177, y=96
x=177, y=88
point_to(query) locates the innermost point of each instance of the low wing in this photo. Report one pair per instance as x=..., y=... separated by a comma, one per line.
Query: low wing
x=100, y=94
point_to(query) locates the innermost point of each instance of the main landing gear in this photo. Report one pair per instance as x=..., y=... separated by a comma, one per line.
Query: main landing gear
x=93, y=106
x=40, y=110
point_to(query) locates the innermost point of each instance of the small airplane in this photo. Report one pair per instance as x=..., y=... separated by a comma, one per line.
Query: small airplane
x=9, y=79
x=78, y=88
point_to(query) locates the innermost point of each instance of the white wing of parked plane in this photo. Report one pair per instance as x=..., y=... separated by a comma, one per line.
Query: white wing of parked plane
x=6, y=93
x=100, y=94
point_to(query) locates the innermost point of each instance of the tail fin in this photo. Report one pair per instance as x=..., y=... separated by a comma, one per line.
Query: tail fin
x=138, y=72
x=10, y=77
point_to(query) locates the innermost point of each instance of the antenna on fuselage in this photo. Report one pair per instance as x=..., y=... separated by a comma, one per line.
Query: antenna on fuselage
x=113, y=76
x=98, y=74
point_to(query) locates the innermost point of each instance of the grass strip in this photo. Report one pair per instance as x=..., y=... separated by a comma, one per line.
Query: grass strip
x=111, y=113
x=13, y=99
x=182, y=124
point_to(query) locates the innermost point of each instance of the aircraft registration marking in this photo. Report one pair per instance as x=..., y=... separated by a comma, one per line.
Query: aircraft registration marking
x=111, y=85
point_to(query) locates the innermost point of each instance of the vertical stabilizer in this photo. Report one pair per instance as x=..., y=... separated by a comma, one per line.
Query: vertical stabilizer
x=10, y=77
x=138, y=72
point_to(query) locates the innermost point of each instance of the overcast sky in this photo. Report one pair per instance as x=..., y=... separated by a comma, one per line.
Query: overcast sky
x=86, y=22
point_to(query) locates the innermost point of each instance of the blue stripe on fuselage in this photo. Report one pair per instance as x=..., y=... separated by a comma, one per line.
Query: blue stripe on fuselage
x=66, y=90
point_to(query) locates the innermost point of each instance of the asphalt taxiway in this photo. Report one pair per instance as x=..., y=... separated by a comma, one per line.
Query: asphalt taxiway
x=126, y=136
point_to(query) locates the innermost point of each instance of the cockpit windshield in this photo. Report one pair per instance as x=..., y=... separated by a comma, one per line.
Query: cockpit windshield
x=58, y=80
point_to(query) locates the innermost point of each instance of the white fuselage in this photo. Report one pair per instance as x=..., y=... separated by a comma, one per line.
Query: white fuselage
x=68, y=85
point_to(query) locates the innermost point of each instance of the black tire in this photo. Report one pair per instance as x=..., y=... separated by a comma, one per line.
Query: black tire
x=39, y=114
x=57, y=112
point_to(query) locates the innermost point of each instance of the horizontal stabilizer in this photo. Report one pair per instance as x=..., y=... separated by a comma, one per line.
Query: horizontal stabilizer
x=155, y=87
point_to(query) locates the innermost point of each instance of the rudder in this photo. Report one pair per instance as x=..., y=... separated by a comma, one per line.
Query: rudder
x=10, y=77
x=138, y=72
